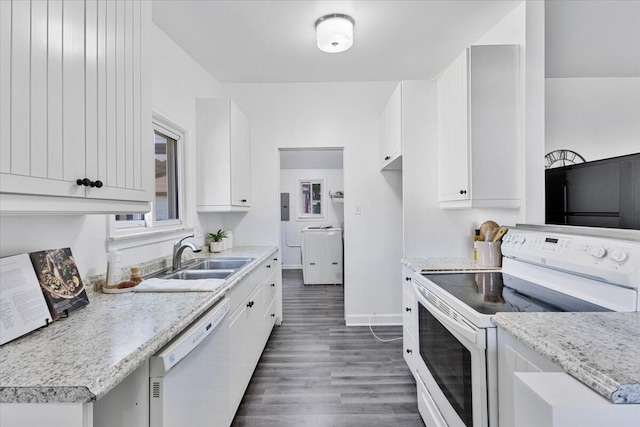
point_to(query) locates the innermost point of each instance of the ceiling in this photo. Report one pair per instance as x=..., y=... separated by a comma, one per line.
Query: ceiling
x=274, y=41
x=597, y=38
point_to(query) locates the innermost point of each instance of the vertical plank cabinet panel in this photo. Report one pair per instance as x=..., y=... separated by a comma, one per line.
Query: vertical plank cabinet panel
x=391, y=132
x=54, y=92
x=120, y=88
x=73, y=104
x=240, y=158
x=111, y=107
x=20, y=70
x=138, y=136
x=38, y=101
x=101, y=92
x=91, y=88
x=5, y=86
x=453, y=178
x=129, y=95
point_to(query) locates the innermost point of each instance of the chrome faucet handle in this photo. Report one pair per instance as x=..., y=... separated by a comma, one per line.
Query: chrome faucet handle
x=179, y=242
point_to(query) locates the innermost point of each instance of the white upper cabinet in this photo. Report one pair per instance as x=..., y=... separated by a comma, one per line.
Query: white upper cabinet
x=478, y=129
x=75, y=116
x=224, y=157
x=391, y=132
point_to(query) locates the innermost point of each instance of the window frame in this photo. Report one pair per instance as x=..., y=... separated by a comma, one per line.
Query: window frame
x=139, y=232
x=323, y=198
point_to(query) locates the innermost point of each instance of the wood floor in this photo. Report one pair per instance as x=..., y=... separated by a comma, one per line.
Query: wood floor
x=317, y=372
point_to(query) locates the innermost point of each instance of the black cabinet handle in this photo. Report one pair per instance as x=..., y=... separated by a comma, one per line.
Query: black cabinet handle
x=334, y=263
x=408, y=279
x=250, y=304
x=387, y=158
x=312, y=263
x=244, y=200
x=88, y=183
x=273, y=315
x=463, y=191
x=273, y=285
x=407, y=309
x=268, y=265
x=409, y=351
x=275, y=259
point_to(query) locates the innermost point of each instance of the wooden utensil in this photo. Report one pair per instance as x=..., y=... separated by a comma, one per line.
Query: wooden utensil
x=500, y=233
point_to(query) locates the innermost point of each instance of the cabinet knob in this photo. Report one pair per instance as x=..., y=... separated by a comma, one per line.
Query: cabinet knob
x=273, y=285
x=334, y=263
x=250, y=304
x=387, y=158
x=97, y=184
x=312, y=263
x=408, y=279
x=244, y=200
x=273, y=315
x=463, y=191
x=86, y=182
x=268, y=265
x=407, y=309
x=275, y=259
x=409, y=351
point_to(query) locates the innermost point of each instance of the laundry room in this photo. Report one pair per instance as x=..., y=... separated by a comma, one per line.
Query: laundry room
x=312, y=213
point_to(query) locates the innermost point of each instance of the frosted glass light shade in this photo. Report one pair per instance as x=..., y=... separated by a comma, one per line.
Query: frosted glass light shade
x=334, y=33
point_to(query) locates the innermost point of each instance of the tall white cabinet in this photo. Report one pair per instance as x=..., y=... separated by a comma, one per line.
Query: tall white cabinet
x=75, y=115
x=224, y=157
x=478, y=129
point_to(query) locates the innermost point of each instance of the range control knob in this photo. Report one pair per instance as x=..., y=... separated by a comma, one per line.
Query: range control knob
x=598, y=252
x=619, y=255
x=520, y=239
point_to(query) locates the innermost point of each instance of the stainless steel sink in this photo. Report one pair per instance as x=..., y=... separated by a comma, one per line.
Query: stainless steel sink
x=200, y=274
x=220, y=264
x=207, y=268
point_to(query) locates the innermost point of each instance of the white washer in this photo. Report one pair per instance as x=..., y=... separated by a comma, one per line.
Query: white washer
x=322, y=259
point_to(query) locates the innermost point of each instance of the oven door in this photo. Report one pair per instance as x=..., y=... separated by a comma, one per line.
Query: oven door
x=452, y=363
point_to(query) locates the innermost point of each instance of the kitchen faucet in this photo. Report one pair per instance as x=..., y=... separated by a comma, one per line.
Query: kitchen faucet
x=178, y=248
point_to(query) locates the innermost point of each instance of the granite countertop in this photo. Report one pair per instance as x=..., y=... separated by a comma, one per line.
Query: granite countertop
x=602, y=350
x=81, y=358
x=443, y=264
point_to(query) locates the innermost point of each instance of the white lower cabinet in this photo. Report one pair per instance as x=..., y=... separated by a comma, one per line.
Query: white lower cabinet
x=409, y=321
x=254, y=311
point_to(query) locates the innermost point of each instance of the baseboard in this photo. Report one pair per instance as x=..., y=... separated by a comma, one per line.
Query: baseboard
x=292, y=267
x=376, y=320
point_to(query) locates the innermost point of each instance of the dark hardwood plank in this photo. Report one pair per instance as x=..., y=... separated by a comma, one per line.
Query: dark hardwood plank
x=316, y=372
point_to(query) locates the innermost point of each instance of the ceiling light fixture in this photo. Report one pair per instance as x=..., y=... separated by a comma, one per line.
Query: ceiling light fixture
x=334, y=32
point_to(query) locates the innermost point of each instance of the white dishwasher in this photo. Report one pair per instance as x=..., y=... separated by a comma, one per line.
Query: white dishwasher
x=189, y=377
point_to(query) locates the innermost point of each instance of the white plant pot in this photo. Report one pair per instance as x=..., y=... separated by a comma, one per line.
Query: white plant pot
x=215, y=246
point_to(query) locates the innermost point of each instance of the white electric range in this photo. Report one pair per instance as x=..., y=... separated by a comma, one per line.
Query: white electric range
x=541, y=271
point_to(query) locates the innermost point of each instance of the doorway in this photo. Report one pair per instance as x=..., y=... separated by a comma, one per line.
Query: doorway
x=311, y=195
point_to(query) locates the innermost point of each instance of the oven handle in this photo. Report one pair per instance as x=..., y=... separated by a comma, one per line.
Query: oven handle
x=463, y=329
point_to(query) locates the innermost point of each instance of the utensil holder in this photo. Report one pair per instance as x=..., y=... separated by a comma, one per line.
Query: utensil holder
x=489, y=254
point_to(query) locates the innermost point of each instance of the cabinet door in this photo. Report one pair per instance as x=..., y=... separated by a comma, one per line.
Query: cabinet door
x=42, y=125
x=453, y=137
x=391, y=131
x=240, y=342
x=240, y=158
x=118, y=127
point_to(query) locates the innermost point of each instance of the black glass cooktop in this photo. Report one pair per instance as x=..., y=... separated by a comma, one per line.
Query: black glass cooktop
x=493, y=292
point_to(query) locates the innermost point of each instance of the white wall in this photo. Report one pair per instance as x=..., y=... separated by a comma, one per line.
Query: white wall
x=330, y=115
x=176, y=81
x=289, y=182
x=595, y=117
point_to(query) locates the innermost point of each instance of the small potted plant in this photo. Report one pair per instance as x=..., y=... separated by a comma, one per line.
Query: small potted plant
x=215, y=241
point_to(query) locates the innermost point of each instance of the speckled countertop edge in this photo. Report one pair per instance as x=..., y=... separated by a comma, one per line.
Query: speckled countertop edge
x=35, y=369
x=443, y=264
x=602, y=350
